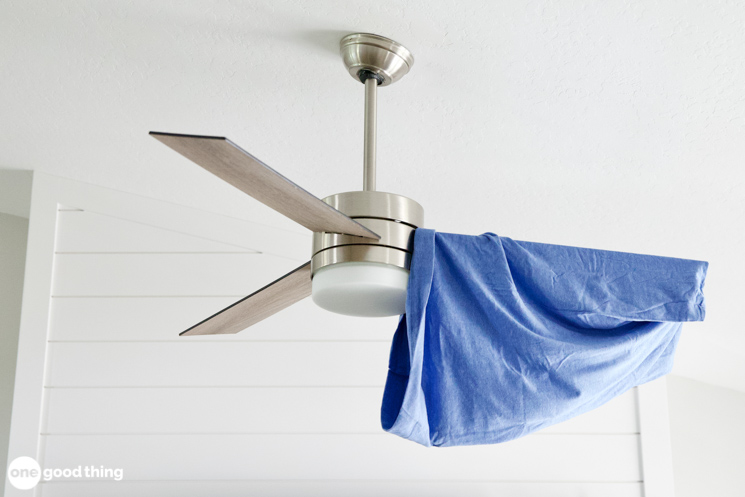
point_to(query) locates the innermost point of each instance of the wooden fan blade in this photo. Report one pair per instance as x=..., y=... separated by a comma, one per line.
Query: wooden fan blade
x=231, y=163
x=277, y=295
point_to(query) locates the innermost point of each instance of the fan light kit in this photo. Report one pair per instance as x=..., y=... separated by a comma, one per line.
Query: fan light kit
x=362, y=240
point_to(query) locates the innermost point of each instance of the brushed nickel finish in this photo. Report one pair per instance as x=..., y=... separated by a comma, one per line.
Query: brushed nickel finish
x=234, y=165
x=378, y=54
x=280, y=294
x=361, y=253
x=394, y=217
x=378, y=205
x=371, y=124
x=392, y=234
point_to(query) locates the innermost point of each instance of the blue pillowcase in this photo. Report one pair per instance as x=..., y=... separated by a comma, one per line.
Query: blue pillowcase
x=502, y=338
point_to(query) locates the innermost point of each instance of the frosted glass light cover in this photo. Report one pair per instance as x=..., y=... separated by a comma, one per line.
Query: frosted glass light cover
x=361, y=289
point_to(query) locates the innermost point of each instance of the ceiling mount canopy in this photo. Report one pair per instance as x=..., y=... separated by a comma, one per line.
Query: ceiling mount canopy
x=381, y=56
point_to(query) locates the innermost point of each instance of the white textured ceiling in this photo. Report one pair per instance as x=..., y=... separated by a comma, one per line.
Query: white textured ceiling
x=616, y=125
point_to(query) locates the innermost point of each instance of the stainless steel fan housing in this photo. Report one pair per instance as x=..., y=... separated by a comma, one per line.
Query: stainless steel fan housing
x=393, y=217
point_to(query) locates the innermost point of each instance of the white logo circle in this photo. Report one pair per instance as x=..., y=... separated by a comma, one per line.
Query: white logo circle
x=24, y=473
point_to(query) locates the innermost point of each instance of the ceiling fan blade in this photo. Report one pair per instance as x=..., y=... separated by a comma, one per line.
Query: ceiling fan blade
x=277, y=295
x=231, y=163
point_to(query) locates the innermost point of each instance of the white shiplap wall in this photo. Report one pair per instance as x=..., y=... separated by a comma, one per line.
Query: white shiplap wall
x=290, y=407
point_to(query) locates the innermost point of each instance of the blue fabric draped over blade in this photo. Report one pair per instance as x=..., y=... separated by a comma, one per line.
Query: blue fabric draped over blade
x=502, y=338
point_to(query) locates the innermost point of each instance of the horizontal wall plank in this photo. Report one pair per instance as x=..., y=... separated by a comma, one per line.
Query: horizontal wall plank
x=215, y=410
x=218, y=457
x=191, y=363
x=364, y=488
x=146, y=319
x=165, y=274
x=288, y=242
x=82, y=231
x=262, y=410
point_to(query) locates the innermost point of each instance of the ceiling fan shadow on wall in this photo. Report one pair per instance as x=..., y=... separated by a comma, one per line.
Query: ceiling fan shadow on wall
x=362, y=240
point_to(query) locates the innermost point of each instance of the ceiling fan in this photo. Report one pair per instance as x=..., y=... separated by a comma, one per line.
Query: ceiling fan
x=362, y=240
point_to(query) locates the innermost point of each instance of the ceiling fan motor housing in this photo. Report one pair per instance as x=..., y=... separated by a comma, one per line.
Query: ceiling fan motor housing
x=355, y=275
